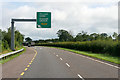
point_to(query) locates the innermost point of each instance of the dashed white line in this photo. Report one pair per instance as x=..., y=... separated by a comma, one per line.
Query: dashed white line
x=67, y=64
x=57, y=55
x=61, y=59
x=80, y=76
x=40, y=48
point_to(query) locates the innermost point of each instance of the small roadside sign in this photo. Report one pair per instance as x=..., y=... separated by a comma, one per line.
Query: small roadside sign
x=43, y=19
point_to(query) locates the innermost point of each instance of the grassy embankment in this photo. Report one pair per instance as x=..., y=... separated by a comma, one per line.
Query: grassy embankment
x=105, y=57
x=105, y=50
x=9, y=50
x=2, y=61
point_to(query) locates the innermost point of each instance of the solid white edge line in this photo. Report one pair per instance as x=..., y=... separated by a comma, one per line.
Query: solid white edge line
x=67, y=64
x=99, y=61
x=80, y=76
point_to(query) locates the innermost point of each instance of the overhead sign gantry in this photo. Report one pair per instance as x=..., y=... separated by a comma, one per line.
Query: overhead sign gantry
x=43, y=21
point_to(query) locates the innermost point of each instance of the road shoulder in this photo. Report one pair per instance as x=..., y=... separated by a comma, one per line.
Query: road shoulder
x=14, y=67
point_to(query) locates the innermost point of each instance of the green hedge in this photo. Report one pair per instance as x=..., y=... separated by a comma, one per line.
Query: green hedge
x=104, y=47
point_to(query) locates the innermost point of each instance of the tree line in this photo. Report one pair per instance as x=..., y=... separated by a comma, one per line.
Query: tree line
x=65, y=36
x=5, y=39
x=95, y=43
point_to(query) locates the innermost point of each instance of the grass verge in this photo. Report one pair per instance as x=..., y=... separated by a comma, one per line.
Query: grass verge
x=105, y=57
x=2, y=61
x=9, y=50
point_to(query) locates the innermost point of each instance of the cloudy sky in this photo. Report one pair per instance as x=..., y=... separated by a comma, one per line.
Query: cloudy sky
x=81, y=15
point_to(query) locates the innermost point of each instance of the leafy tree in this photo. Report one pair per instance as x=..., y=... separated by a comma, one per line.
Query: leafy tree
x=103, y=36
x=64, y=35
x=85, y=36
x=119, y=37
x=82, y=36
x=6, y=39
x=79, y=37
x=28, y=39
x=109, y=38
x=18, y=38
x=94, y=36
x=115, y=35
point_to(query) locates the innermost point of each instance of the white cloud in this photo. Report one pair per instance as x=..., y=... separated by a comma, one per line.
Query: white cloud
x=70, y=16
x=82, y=1
x=59, y=15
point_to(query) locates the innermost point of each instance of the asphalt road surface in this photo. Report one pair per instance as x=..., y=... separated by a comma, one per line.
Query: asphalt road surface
x=14, y=67
x=56, y=63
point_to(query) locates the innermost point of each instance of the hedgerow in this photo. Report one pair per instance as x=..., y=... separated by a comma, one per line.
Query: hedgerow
x=98, y=47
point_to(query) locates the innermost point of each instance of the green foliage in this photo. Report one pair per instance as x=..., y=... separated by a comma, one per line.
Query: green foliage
x=6, y=39
x=28, y=39
x=5, y=45
x=99, y=46
x=64, y=35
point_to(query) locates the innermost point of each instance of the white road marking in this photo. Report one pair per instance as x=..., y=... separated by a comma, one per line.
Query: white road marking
x=80, y=76
x=57, y=55
x=61, y=59
x=67, y=64
x=40, y=48
x=99, y=61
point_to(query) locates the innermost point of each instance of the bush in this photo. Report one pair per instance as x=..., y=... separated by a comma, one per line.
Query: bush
x=100, y=46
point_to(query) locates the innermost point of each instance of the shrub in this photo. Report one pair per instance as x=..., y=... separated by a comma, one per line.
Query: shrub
x=100, y=46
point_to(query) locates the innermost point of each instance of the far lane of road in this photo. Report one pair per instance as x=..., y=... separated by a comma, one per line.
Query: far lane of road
x=56, y=63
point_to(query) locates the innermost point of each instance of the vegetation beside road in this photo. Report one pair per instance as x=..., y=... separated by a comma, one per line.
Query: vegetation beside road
x=95, y=42
x=2, y=61
x=5, y=41
x=102, y=46
x=98, y=47
x=9, y=50
x=105, y=57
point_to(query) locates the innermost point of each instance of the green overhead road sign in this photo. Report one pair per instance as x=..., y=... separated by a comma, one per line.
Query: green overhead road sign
x=43, y=19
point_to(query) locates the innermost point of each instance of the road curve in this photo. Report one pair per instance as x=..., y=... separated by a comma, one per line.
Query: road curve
x=56, y=63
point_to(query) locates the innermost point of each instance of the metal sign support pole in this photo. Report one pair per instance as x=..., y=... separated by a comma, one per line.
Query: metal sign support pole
x=12, y=30
x=12, y=36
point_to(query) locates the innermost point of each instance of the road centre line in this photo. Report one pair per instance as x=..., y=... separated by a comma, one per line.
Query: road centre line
x=22, y=73
x=28, y=65
x=25, y=69
x=67, y=64
x=99, y=61
x=80, y=76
